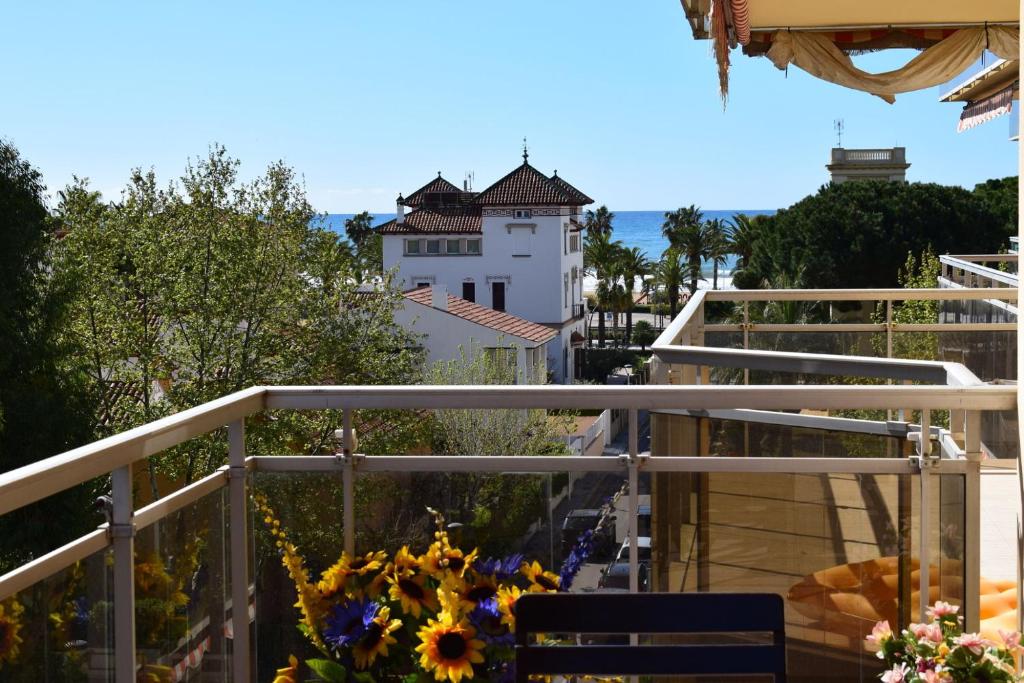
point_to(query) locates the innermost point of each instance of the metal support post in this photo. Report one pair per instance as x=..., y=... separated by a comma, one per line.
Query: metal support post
x=746, y=338
x=122, y=532
x=239, y=520
x=348, y=486
x=972, y=522
x=925, y=463
x=634, y=510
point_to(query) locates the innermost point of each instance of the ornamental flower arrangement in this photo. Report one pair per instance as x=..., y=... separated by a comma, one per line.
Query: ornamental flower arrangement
x=940, y=652
x=10, y=626
x=444, y=614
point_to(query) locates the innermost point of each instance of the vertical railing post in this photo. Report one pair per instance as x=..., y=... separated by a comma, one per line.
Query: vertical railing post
x=924, y=447
x=634, y=503
x=746, y=338
x=348, y=519
x=122, y=532
x=972, y=522
x=239, y=543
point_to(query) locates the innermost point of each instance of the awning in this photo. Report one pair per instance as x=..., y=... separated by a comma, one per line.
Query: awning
x=576, y=338
x=977, y=113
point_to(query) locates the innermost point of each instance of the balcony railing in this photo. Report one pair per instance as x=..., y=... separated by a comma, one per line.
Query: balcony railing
x=579, y=310
x=980, y=270
x=716, y=521
x=841, y=155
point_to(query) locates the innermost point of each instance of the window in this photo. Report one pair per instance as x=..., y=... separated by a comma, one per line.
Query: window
x=452, y=247
x=523, y=213
x=421, y=285
x=565, y=282
x=498, y=296
x=473, y=246
x=412, y=246
x=433, y=247
x=469, y=291
x=521, y=241
x=565, y=237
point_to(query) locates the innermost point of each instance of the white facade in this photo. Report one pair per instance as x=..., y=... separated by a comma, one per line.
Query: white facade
x=445, y=336
x=532, y=255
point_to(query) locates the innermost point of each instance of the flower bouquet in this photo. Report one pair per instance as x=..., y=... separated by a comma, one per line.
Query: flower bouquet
x=940, y=652
x=445, y=615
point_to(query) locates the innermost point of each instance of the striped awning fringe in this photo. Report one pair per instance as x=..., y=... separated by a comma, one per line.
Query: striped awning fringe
x=740, y=20
x=977, y=113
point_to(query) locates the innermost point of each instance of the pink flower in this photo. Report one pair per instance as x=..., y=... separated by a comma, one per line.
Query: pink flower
x=973, y=642
x=936, y=677
x=898, y=674
x=931, y=633
x=880, y=633
x=942, y=609
x=1011, y=639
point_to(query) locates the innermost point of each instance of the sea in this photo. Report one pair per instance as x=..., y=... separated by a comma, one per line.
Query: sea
x=633, y=228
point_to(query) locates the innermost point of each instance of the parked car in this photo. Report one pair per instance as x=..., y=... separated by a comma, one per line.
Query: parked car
x=616, y=575
x=578, y=521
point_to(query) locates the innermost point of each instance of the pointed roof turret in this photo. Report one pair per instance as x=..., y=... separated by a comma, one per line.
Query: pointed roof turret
x=438, y=184
x=525, y=185
x=581, y=199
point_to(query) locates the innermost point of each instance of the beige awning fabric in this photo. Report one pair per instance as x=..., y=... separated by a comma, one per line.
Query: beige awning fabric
x=819, y=56
x=977, y=113
x=826, y=14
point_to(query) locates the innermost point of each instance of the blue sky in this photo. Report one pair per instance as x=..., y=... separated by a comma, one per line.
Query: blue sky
x=366, y=99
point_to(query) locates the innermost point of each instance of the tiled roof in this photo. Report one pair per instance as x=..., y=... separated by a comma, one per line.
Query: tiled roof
x=487, y=317
x=438, y=184
x=525, y=185
x=459, y=220
x=581, y=199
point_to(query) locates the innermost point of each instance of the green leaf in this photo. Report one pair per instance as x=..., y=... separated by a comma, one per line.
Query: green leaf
x=363, y=677
x=332, y=672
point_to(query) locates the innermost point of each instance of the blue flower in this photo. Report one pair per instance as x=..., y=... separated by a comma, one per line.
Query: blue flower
x=348, y=621
x=486, y=619
x=501, y=568
x=577, y=556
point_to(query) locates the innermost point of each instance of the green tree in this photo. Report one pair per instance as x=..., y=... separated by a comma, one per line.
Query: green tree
x=686, y=231
x=1000, y=196
x=213, y=285
x=634, y=265
x=854, y=235
x=670, y=274
x=718, y=248
x=643, y=334
x=44, y=407
x=599, y=221
x=368, y=246
x=601, y=257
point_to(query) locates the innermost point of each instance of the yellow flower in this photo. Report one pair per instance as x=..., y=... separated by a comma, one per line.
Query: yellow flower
x=412, y=592
x=444, y=562
x=449, y=649
x=10, y=610
x=333, y=578
x=288, y=674
x=376, y=640
x=483, y=588
x=540, y=580
x=405, y=561
x=507, y=605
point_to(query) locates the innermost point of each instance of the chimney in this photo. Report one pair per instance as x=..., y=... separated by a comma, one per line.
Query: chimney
x=439, y=297
x=400, y=210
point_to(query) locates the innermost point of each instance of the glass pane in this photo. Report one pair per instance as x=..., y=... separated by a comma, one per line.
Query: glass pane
x=62, y=627
x=182, y=594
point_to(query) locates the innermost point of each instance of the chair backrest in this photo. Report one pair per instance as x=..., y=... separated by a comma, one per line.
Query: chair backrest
x=651, y=613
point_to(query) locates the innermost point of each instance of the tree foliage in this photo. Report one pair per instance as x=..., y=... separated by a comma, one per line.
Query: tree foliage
x=855, y=234
x=1000, y=196
x=211, y=285
x=44, y=410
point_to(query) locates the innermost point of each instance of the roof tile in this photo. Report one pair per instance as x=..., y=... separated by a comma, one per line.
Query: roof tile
x=460, y=220
x=487, y=317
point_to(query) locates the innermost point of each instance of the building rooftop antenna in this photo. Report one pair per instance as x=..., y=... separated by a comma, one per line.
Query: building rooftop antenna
x=839, y=126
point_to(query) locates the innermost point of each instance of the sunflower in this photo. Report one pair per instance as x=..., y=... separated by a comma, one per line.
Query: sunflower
x=444, y=562
x=483, y=588
x=507, y=604
x=290, y=673
x=412, y=592
x=334, y=577
x=540, y=580
x=489, y=623
x=405, y=562
x=376, y=639
x=449, y=649
x=9, y=627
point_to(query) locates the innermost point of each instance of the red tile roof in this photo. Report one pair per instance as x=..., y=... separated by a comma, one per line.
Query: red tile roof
x=487, y=317
x=438, y=184
x=463, y=220
x=525, y=185
x=581, y=199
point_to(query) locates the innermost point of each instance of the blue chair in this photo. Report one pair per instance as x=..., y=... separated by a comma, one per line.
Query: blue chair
x=651, y=613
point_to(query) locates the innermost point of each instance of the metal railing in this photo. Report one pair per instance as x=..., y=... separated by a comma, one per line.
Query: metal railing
x=955, y=390
x=980, y=270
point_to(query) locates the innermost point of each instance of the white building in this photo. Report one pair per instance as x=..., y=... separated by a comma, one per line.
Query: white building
x=516, y=247
x=449, y=323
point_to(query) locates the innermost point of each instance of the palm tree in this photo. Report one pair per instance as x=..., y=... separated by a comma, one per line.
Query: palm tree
x=599, y=221
x=671, y=273
x=742, y=233
x=634, y=264
x=686, y=232
x=717, y=246
x=600, y=255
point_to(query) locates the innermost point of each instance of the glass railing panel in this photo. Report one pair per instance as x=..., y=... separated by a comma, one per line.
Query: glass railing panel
x=61, y=628
x=182, y=594
x=841, y=548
